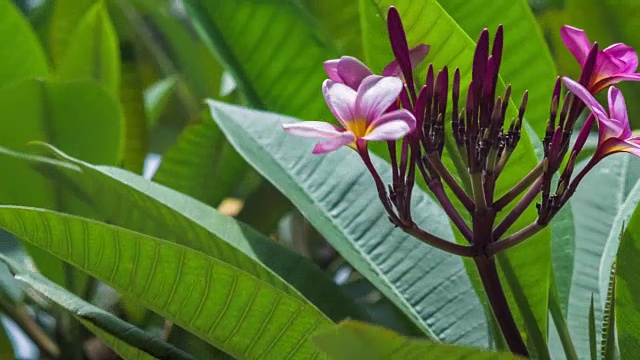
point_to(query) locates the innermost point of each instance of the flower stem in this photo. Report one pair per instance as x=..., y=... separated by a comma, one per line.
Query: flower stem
x=437, y=164
x=439, y=243
x=500, y=307
x=518, y=188
x=520, y=207
x=514, y=239
x=438, y=191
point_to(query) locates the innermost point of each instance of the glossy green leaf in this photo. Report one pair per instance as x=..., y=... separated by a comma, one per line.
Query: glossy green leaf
x=273, y=69
x=65, y=16
x=156, y=97
x=22, y=56
x=427, y=22
x=527, y=63
x=133, y=106
x=334, y=192
x=132, y=341
x=92, y=52
x=155, y=210
x=355, y=340
x=627, y=295
x=220, y=303
x=602, y=203
x=342, y=26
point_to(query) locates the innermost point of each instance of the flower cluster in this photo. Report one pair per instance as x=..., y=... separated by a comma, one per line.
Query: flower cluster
x=393, y=108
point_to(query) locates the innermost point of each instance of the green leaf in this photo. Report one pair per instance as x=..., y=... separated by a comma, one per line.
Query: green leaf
x=22, y=56
x=130, y=340
x=627, y=295
x=563, y=245
x=272, y=69
x=427, y=22
x=592, y=331
x=156, y=97
x=608, y=339
x=334, y=192
x=604, y=201
x=93, y=52
x=65, y=16
x=525, y=67
x=79, y=117
x=155, y=210
x=6, y=348
x=223, y=305
x=356, y=340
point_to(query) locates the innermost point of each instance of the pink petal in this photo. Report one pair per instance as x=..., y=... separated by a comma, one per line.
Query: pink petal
x=375, y=95
x=331, y=67
x=392, y=126
x=624, y=53
x=577, y=42
x=618, y=112
x=603, y=83
x=352, y=71
x=341, y=100
x=416, y=55
x=584, y=95
x=608, y=65
x=614, y=145
x=315, y=129
x=345, y=138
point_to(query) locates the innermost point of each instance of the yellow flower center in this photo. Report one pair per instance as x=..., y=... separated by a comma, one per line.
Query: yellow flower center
x=358, y=127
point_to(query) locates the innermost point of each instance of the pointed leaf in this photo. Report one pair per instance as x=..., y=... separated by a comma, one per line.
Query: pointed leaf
x=628, y=290
x=223, y=305
x=22, y=56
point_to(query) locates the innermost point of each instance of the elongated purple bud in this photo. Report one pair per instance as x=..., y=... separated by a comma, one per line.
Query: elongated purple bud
x=480, y=58
x=442, y=88
x=398, y=40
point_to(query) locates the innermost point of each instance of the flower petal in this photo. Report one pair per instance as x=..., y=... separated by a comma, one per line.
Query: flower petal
x=619, y=124
x=314, y=129
x=416, y=55
x=584, y=95
x=331, y=67
x=603, y=83
x=577, y=42
x=392, y=126
x=608, y=65
x=345, y=138
x=615, y=145
x=341, y=100
x=352, y=71
x=375, y=95
x=626, y=54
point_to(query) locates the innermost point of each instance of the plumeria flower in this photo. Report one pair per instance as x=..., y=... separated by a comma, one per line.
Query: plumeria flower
x=351, y=71
x=614, y=132
x=614, y=64
x=361, y=114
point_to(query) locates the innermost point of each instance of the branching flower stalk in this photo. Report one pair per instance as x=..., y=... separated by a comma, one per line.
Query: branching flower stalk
x=393, y=108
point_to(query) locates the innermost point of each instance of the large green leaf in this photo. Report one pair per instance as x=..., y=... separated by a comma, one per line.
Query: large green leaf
x=354, y=340
x=602, y=203
x=563, y=247
x=427, y=22
x=116, y=332
x=335, y=193
x=22, y=56
x=155, y=210
x=65, y=16
x=220, y=303
x=271, y=49
x=92, y=52
x=79, y=117
x=527, y=67
x=628, y=290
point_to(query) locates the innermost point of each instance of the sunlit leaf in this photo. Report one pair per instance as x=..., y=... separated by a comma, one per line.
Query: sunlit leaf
x=628, y=289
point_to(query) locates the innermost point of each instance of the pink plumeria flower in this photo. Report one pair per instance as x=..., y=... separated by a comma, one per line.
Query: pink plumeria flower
x=614, y=132
x=351, y=71
x=361, y=114
x=614, y=64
